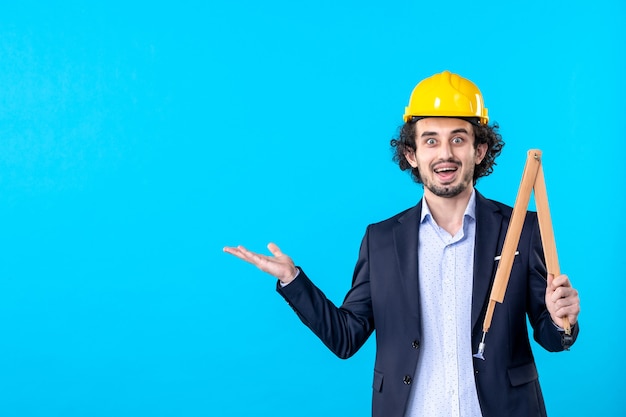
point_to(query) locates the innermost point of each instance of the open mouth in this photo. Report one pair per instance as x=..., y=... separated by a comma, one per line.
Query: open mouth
x=446, y=169
x=446, y=173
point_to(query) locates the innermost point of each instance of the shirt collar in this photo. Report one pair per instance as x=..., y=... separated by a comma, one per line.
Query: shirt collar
x=470, y=210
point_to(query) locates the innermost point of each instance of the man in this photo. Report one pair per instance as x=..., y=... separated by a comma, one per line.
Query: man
x=423, y=277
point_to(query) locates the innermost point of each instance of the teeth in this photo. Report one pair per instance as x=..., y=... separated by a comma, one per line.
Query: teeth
x=445, y=169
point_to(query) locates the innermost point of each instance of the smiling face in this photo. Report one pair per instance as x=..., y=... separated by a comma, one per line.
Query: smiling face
x=445, y=156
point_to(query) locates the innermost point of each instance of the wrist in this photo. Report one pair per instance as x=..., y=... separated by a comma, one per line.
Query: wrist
x=292, y=276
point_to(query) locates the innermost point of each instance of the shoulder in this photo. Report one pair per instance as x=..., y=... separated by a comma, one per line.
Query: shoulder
x=483, y=202
x=486, y=205
x=407, y=216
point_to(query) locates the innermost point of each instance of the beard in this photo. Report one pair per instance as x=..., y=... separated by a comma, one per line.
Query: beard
x=449, y=191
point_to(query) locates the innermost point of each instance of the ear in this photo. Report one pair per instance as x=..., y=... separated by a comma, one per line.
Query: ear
x=410, y=157
x=481, y=151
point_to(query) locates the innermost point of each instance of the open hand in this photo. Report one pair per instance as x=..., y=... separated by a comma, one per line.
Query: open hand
x=279, y=265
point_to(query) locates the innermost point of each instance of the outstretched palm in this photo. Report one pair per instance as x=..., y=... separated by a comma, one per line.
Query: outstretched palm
x=279, y=265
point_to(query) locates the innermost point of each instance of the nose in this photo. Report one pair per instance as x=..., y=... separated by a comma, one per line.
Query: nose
x=445, y=151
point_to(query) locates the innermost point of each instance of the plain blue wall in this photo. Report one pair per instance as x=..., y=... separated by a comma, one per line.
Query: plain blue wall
x=137, y=139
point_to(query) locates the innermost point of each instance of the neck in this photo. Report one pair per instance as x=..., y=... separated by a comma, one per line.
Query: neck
x=448, y=211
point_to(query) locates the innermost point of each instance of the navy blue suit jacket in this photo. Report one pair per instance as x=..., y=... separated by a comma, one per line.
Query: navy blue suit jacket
x=384, y=297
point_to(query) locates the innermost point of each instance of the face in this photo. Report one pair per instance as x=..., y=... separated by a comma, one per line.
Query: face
x=445, y=155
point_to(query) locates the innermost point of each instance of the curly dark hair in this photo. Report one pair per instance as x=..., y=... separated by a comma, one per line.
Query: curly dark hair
x=482, y=133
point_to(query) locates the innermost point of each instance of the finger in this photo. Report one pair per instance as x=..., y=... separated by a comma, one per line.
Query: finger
x=565, y=301
x=233, y=251
x=568, y=307
x=244, y=254
x=570, y=311
x=275, y=250
x=562, y=291
x=550, y=287
x=561, y=281
x=252, y=257
x=564, y=296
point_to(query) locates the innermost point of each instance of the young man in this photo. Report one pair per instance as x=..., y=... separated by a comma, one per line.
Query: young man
x=423, y=277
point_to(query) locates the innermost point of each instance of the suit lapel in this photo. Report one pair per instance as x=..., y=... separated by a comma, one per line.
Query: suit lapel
x=405, y=234
x=488, y=225
x=488, y=228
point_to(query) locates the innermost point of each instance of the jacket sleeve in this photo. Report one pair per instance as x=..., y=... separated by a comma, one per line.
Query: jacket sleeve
x=342, y=329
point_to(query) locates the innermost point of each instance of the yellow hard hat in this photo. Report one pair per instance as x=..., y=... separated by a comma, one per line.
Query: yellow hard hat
x=446, y=95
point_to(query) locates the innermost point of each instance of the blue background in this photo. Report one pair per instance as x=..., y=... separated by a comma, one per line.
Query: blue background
x=137, y=139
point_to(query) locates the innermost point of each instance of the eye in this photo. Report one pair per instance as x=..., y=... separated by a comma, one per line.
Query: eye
x=430, y=141
x=457, y=140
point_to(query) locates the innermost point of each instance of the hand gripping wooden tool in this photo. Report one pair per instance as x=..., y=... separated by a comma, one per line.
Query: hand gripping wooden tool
x=532, y=179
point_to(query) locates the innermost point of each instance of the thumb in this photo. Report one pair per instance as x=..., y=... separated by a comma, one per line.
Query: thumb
x=274, y=249
x=550, y=280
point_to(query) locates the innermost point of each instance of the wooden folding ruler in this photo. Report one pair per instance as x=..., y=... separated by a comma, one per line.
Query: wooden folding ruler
x=532, y=178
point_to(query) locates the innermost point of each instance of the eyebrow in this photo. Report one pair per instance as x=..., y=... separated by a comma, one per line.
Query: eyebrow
x=459, y=130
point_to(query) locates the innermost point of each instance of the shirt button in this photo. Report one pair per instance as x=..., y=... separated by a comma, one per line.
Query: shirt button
x=407, y=380
x=415, y=344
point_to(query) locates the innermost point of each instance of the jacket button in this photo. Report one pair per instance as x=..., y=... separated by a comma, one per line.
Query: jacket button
x=415, y=344
x=407, y=380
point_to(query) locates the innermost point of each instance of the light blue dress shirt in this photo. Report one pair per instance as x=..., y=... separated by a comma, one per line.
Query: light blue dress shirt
x=444, y=385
